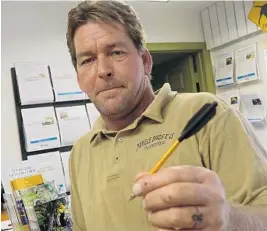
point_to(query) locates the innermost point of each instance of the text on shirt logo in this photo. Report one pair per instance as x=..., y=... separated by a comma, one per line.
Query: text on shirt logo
x=155, y=141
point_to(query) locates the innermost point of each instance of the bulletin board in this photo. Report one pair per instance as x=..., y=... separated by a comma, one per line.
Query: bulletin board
x=54, y=104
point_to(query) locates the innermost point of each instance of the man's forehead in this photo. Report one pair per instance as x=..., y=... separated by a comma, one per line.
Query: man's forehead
x=96, y=31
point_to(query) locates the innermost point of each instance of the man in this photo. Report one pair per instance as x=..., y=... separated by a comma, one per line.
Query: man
x=215, y=180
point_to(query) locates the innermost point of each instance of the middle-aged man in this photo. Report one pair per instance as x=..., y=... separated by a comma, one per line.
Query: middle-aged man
x=216, y=180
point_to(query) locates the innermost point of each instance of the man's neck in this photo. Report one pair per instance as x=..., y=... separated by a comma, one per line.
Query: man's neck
x=141, y=106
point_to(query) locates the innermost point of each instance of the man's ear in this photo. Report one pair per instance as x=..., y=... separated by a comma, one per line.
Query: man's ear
x=147, y=61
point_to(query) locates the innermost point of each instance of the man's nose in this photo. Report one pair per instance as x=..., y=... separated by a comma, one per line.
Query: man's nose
x=104, y=67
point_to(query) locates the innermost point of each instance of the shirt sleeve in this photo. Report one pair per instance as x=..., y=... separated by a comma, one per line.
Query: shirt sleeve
x=76, y=208
x=233, y=151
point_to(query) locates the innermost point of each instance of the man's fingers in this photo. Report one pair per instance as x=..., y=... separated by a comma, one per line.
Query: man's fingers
x=177, y=194
x=167, y=176
x=176, y=229
x=141, y=174
x=180, y=218
x=159, y=229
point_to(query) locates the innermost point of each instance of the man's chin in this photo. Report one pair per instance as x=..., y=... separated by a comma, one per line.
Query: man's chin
x=115, y=111
x=112, y=106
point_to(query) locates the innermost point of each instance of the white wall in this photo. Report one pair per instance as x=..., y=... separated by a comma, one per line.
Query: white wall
x=171, y=22
x=35, y=32
x=257, y=86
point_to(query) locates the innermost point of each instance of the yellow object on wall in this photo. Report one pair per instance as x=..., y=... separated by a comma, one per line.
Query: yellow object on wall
x=258, y=14
x=26, y=182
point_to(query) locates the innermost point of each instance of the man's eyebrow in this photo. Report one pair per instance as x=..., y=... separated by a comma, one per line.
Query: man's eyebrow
x=115, y=44
x=83, y=54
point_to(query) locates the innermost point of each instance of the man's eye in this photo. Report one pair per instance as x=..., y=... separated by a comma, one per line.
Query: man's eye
x=89, y=60
x=116, y=53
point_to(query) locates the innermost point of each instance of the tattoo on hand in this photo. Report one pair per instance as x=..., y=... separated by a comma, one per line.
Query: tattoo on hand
x=197, y=218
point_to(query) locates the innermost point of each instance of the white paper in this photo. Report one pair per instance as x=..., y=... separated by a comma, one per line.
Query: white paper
x=207, y=28
x=215, y=25
x=49, y=165
x=73, y=123
x=232, y=98
x=222, y=22
x=15, y=171
x=224, y=69
x=65, y=162
x=231, y=22
x=65, y=84
x=6, y=225
x=251, y=27
x=40, y=128
x=240, y=18
x=246, y=64
x=253, y=107
x=265, y=59
x=34, y=83
x=93, y=113
x=42, y=157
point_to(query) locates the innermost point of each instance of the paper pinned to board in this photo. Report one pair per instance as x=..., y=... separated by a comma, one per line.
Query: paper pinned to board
x=65, y=84
x=49, y=165
x=251, y=27
x=222, y=22
x=207, y=28
x=40, y=128
x=214, y=22
x=231, y=19
x=246, y=64
x=253, y=107
x=15, y=171
x=65, y=162
x=34, y=83
x=232, y=98
x=73, y=123
x=240, y=18
x=224, y=69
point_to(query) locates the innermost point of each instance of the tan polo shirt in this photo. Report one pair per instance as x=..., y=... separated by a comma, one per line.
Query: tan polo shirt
x=103, y=164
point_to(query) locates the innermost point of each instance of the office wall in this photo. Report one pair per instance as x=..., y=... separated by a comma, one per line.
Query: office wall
x=35, y=32
x=171, y=22
x=257, y=86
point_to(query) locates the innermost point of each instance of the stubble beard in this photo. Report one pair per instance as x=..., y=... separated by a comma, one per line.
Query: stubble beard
x=116, y=110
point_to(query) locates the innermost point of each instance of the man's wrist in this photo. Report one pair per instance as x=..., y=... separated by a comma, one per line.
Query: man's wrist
x=246, y=218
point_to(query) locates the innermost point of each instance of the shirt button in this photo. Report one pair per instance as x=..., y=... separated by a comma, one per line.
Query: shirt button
x=117, y=159
x=120, y=139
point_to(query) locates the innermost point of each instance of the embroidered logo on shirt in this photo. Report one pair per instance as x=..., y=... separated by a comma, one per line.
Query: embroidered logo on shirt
x=113, y=177
x=155, y=141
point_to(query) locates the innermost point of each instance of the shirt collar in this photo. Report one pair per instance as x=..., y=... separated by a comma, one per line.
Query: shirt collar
x=163, y=97
x=153, y=112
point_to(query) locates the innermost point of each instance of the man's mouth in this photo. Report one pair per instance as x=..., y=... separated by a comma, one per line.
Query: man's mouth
x=110, y=89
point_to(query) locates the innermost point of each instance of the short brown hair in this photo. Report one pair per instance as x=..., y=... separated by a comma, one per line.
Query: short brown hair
x=108, y=12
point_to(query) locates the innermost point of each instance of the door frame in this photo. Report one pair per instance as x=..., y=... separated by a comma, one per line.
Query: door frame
x=186, y=47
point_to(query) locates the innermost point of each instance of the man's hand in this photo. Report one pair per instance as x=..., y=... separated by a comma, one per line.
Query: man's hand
x=184, y=198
